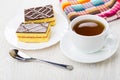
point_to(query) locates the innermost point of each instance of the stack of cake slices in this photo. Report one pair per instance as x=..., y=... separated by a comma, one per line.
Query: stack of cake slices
x=36, y=27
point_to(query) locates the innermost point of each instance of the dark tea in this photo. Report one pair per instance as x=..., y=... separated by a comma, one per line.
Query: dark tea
x=88, y=27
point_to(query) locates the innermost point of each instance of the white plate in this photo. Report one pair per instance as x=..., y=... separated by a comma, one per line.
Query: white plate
x=75, y=54
x=57, y=33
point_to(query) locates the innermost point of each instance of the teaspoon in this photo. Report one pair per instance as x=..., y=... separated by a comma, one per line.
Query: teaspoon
x=16, y=54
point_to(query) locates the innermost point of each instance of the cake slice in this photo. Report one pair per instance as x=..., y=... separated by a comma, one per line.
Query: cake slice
x=40, y=14
x=33, y=32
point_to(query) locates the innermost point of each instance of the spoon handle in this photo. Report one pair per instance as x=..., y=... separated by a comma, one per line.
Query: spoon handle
x=68, y=67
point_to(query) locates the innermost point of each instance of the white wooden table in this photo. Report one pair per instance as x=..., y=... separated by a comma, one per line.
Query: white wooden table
x=11, y=69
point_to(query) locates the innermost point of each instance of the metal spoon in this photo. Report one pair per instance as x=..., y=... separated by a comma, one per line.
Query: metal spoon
x=23, y=57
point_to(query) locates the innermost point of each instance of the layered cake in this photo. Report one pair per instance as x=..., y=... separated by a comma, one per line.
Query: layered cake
x=40, y=14
x=33, y=32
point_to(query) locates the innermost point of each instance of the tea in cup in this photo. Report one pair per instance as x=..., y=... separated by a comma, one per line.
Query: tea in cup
x=89, y=33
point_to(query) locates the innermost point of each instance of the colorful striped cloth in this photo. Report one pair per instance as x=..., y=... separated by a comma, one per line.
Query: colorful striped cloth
x=108, y=9
x=89, y=8
x=75, y=4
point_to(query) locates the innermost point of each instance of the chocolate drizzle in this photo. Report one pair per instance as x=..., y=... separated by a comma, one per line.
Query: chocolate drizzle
x=33, y=27
x=39, y=13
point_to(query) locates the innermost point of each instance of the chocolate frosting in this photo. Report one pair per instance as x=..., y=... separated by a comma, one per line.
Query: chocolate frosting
x=33, y=27
x=39, y=13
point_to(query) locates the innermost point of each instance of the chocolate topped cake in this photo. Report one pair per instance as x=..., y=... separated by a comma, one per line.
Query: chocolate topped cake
x=33, y=32
x=40, y=14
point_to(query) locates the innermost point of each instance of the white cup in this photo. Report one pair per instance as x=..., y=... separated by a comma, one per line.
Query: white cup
x=89, y=44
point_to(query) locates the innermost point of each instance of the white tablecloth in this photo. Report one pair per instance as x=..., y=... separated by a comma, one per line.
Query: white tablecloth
x=11, y=69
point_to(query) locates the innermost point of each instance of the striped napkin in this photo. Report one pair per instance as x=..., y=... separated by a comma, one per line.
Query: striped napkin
x=108, y=9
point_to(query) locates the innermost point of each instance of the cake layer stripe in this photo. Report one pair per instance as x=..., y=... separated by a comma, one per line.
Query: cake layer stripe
x=43, y=20
x=35, y=40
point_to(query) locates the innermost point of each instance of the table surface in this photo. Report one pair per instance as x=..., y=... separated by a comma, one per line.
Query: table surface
x=11, y=69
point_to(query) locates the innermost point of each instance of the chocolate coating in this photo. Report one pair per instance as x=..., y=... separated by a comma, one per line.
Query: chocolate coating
x=39, y=13
x=32, y=28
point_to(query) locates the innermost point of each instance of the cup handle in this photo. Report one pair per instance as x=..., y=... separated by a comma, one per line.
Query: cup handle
x=108, y=38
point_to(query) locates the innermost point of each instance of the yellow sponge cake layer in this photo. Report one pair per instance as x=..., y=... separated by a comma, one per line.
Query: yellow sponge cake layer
x=34, y=39
x=52, y=23
x=50, y=20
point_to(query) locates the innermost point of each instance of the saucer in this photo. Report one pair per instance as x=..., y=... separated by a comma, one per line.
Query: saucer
x=75, y=54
